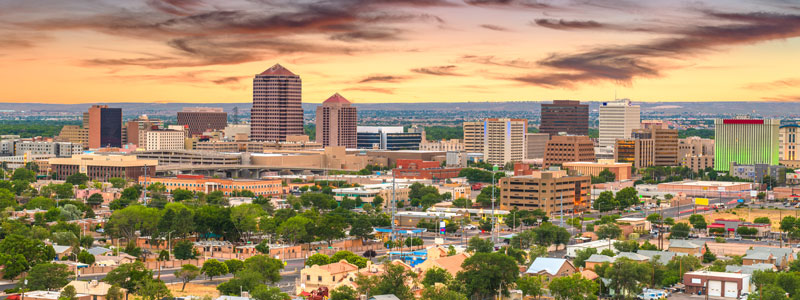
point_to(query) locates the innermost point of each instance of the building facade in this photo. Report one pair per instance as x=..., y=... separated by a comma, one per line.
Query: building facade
x=617, y=121
x=694, y=145
x=336, y=123
x=639, y=152
x=621, y=170
x=277, y=105
x=536, y=145
x=136, y=128
x=665, y=144
x=74, y=134
x=200, y=119
x=473, y=137
x=454, y=145
x=568, y=148
x=199, y=183
x=745, y=141
x=554, y=192
x=419, y=169
x=387, y=138
x=565, y=116
x=165, y=140
x=105, y=126
x=788, y=143
x=103, y=167
x=59, y=149
x=504, y=140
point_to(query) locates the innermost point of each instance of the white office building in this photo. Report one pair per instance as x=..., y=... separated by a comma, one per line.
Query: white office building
x=617, y=121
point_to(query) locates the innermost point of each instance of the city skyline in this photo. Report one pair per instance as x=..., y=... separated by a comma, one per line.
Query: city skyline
x=401, y=51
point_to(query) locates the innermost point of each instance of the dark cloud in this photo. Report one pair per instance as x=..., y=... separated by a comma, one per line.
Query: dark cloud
x=383, y=78
x=175, y=7
x=517, y=3
x=491, y=60
x=494, y=27
x=564, y=24
x=622, y=64
x=371, y=35
x=438, y=71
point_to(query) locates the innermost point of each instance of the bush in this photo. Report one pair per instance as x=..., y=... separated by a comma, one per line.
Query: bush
x=719, y=239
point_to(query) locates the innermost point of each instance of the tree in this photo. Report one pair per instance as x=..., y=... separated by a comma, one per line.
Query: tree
x=627, y=276
x=125, y=222
x=330, y=227
x=117, y=182
x=708, y=256
x=377, y=202
x=18, y=253
x=213, y=267
x=441, y=293
x=532, y=285
x=698, y=221
x=479, y=245
x=436, y=275
x=129, y=276
x=294, y=229
x=269, y=268
x=263, y=292
x=654, y=218
x=245, y=218
x=608, y=231
x=47, y=276
x=187, y=273
x=605, y=202
x=627, y=197
x=77, y=179
x=343, y=292
x=361, y=228
x=762, y=220
x=263, y=247
x=153, y=289
x=582, y=255
x=184, y=249
x=69, y=293
x=627, y=246
x=114, y=293
x=42, y=203
x=7, y=199
x=24, y=175
x=573, y=287
x=679, y=231
x=648, y=246
x=95, y=199
x=318, y=259
x=85, y=257
x=485, y=274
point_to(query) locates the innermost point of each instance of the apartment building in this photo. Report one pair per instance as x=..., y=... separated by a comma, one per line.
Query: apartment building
x=568, y=148
x=639, y=152
x=554, y=192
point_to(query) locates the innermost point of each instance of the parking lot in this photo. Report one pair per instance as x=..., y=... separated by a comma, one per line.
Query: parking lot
x=682, y=296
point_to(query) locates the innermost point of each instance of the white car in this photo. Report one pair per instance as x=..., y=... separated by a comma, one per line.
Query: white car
x=470, y=227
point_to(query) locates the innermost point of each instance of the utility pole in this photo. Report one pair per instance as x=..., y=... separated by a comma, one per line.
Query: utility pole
x=394, y=198
x=144, y=190
x=494, y=219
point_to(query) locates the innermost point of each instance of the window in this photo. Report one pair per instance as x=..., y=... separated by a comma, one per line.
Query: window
x=319, y=278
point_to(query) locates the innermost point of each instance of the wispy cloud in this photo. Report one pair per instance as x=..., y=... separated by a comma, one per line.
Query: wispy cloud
x=383, y=78
x=449, y=70
x=494, y=27
x=564, y=24
x=777, y=84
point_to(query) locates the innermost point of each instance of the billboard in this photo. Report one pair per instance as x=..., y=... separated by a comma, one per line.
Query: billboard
x=700, y=201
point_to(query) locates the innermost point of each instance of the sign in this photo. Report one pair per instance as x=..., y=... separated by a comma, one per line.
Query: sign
x=753, y=193
x=701, y=201
x=740, y=200
x=442, y=227
x=495, y=168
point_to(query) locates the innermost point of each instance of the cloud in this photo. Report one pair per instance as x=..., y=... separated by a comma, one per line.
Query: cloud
x=438, y=70
x=372, y=35
x=383, y=78
x=782, y=98
x=229, y=80
x=777, y=84
x=517, y=3
x=494, y=27
x=564, y=25
x=491, y=60
x=623, y=63
x=371, y=90
x=175, y=7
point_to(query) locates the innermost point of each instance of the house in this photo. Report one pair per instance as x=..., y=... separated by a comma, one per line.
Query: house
x=551, y=267
x=599, y=245
x=96, y=289
x=384, y=297
x=589, y=274
x=330, y=276
x=451, y=264
x=98, y=251
x=632, y=256
x=113, y=260
x=50, y=295
x=780, y=257
x=718, y=284
x=750, y=269
x=597, y=259
x=62, y=252
x=664, y=257
x=695, y=248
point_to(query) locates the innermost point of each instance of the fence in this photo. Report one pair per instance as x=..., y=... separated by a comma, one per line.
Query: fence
x=151, y=265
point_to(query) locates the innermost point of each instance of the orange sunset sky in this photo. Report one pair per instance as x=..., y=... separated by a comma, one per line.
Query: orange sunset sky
x=86, y=51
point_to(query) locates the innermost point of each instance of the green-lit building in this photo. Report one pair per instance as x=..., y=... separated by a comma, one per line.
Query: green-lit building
x=746, y=142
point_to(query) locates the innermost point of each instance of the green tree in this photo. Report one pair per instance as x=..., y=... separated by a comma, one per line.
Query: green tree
x=182, y=195
x=295, y=229
x=263, y=247
x=330, y=227
x=698, y=221
x=708, y=256
x=43, y=203
x=573, y=287
x=436, y=275
x=213, y=267
x=269, y=268
x=479, y=245
x=627, y=276
x=129, y=276
x=343, y=292
x=361, y=228
x=187, y=273
x=762, y=220
x=24, y=175
x=114, y=293
x=263, y=292
x=318, y=259
x=608, y=231
x=441, y=293
x=47, y=276
x=531, y=285
x=86, y=257
x=234, y=265
x=627, y=246
x=484, y=274
x=679, y=231
x=627, y=197
x=117, y=182
x=95, y=199
x=68, y=293
x=184, y=249
x=153, y=289
x=582, y=255
x=605, y=202
x=77, y=179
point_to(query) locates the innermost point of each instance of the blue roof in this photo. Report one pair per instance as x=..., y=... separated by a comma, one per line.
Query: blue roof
x=790, y=125
x=402, y=231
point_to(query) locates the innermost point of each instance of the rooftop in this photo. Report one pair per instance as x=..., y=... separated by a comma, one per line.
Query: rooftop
x=336, y=99
x=546, y=264
x=278, y=70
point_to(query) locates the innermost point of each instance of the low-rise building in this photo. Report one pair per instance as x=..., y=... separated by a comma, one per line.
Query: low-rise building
x=419, y=169
x=368, y=192
x=696, y=248
x=199, y=183
x=562, y=149
x=598, y=245
x=51, y=295
x=550, y=268
x=442, y=145
x=756, y=172
x=717, y=284
x=103, y=167
x=98, y=290
x=621, y=170
x=550, y=191
x=780, y=257
x=58, y=149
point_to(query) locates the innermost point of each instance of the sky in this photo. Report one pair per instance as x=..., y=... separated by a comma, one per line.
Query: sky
x=374, y=51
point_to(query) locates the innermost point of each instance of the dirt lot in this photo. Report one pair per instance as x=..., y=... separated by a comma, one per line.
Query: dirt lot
x=751, y=214
x=194, y=289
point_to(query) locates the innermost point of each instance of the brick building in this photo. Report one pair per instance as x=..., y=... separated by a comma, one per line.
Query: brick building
x=200, y=119
x=419, y=169
x=561, y=149
x=277, y=105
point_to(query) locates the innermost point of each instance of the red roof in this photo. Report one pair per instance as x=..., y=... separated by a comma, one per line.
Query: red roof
x=277, y=69
x=336, y=98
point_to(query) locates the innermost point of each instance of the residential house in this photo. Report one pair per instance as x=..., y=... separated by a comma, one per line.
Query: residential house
x=750, y=269
x=597, y=259
x=50, y=295
x=718, y=284
x=780, y=257
x=437, y=257
x=98, y=251
x=62, y=252
x=330, y=276
x=96, y=289
x=551, y=268
x=113, y=260
x=632, y=256
x=695, y=248
x=664, y=257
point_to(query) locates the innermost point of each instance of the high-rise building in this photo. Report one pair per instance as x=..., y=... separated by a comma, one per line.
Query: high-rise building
x=136, y=128
x=165, y=139
x=745, y=142
x=199, y=119
x=504, y=140
x=554, y=192
x=565, y=116
x=473, y=137
x=277, y=105
x=665, y=144
x=568, y=148
x=617, y=121
x=537, y=143
x=105, y=126
x=696, y=153
x=789, y=145
x=74, y=134
x=336, y=122
x=639, y=152
x=387, y=138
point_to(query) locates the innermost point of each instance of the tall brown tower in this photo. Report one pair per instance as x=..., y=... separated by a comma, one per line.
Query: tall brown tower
x=336, y=122
x=277, y=105
x=567, y=116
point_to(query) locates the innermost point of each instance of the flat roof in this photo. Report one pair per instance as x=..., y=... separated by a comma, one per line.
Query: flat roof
x=706, y=183
x=719, y=274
